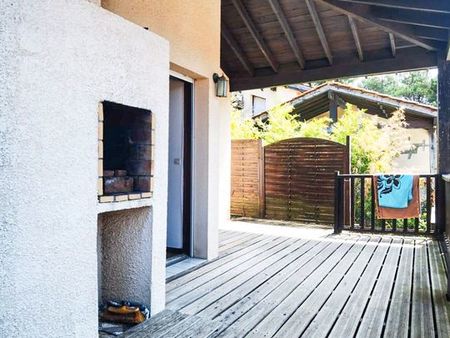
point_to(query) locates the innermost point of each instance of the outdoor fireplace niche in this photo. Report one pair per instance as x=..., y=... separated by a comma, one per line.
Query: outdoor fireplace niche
x=125, y=152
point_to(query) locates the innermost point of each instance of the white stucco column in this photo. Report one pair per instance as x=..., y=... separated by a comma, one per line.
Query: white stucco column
x=211, y=170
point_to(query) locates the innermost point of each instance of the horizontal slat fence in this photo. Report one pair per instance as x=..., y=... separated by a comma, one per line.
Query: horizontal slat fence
x=362, y=206
x=290, y=180
x=299, y=179
x=247, y=191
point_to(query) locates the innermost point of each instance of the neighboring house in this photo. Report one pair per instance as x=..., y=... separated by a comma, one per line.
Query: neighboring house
x=329, y=99
x=255, y=101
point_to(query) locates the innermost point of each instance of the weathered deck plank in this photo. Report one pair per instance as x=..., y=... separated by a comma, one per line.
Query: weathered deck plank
x=422, y=311
x=176, y=328
x=254, y=307
x=336, y=286
x=227, y=298
x=159, y=322
x=285, y=308
x=439, y=289
x=249, y=279
x=305, y=313
x=230, y=266
x=375, y=313
x=234, y=241
x=225, y=235
x=253, y=265
x=322, y=323
x=397, y=323
x=241, y=245
x=252, y=249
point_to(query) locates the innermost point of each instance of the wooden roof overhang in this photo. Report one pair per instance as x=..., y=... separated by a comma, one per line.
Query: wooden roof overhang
x=317, y=101
x=276, y=42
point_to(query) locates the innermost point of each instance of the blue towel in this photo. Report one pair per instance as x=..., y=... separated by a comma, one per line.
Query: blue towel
x=394, y=191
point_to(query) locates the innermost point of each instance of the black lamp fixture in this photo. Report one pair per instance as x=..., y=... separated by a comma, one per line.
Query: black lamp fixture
x=221, y=85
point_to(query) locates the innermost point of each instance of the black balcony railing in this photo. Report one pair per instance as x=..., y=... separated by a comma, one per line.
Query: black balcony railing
x=355, y=206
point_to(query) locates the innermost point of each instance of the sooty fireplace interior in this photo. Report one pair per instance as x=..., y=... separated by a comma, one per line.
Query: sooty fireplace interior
x=125, y=152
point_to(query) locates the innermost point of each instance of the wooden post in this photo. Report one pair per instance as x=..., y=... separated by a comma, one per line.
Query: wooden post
x=443, y=157
x=443, y=115
x=333, y=107
x=443, y=146
x=337, y=198
x=262, y=181
x=347, y=170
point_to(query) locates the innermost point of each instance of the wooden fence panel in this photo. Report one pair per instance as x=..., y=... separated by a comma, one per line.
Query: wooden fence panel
x=247, y=183
x=300, y=179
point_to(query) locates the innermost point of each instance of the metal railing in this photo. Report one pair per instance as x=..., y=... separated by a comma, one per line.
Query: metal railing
x=355, y=206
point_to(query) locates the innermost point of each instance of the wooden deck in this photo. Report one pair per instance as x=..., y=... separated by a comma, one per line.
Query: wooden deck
x=318, y=286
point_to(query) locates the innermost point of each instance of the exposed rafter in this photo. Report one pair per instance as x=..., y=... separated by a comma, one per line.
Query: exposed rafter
x=430, y=33
x=364, y=13
x=436, y=6
x=236, y=49
x=355, y=34
x=436, y=20
x=288, y=32
x=243, y=13
x=316, y=20
x=406, y=59
x=397, y=47
x=392, y=41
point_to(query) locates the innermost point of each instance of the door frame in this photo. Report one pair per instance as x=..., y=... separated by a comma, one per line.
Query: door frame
x=187, y=161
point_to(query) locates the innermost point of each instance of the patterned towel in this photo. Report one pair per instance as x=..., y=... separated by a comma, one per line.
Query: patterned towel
x=394, y=191
x=403, y=201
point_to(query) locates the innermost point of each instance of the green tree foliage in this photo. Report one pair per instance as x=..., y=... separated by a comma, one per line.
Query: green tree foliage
x=375, y=142
x=283, y=125
x=419, y=86
x=243, y=129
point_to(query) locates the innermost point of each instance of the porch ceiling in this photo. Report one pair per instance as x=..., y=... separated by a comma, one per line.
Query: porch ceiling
x=277, y=42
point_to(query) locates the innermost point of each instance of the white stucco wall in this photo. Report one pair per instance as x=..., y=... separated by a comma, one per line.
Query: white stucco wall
x=125, y=253
x=420, y=159
x=273, y=98
x=58, y=58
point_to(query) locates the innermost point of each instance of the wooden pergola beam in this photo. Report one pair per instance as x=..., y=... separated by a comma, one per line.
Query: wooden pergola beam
x=392, y=42
x=288, y=32
x=436, y=20
x=318, y=25
x=431, y=33
x=364, y=13
x=406, y=59
x=243, y=13
x=226, y=35
x=437, y=6
x=355, y=34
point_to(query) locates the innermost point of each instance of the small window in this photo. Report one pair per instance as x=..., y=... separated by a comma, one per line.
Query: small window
x=258, y=105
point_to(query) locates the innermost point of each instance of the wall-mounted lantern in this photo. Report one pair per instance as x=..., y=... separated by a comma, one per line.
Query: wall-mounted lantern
x=221, y=85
